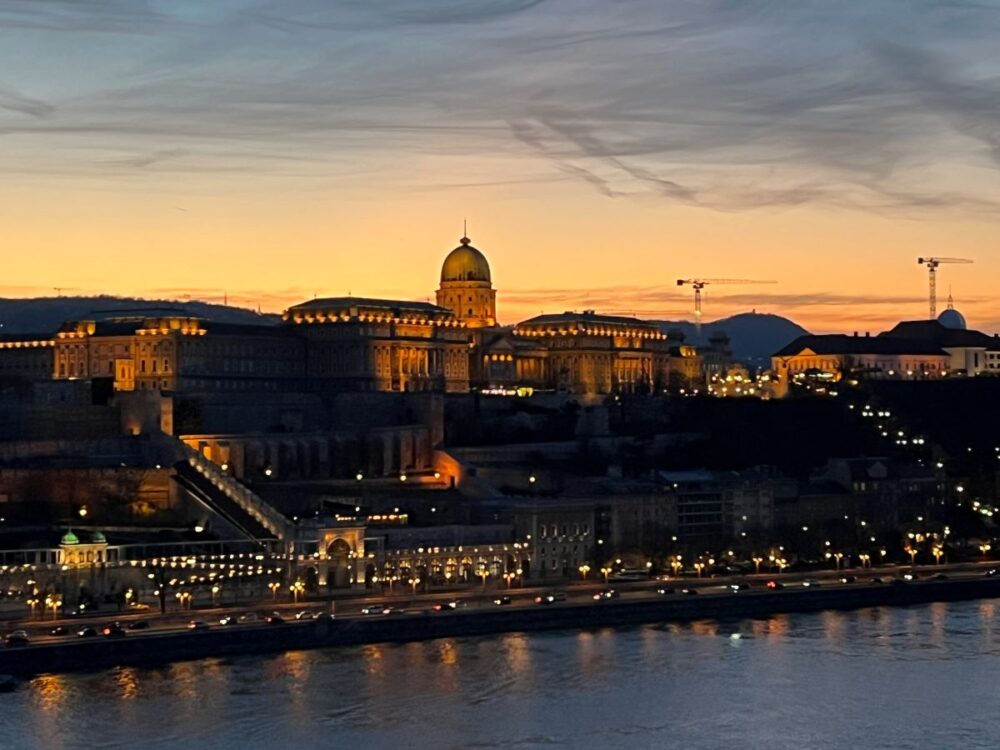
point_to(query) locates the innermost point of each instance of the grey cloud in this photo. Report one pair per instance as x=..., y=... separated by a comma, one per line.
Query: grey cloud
x=725, y=105
x=16, y=102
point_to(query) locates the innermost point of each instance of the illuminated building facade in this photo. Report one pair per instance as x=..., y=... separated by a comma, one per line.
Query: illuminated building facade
x=355, y=344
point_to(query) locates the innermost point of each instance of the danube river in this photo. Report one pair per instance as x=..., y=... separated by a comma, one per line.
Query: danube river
x=922, y=677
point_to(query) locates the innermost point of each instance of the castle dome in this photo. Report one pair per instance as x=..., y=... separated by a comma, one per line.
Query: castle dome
x=69, y=538
x=465, y=263
x=952, y=318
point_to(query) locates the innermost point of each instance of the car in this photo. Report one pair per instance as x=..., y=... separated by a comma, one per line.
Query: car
x=139, y=625
x=16, y=638
x=847, y=579
x=227, y=619
x=811, y=584
x=113, y=630
x=991, y=572
x=393, y=611
x=909, y=577
x=502, y=601
x=689, y=592
x=601, y=596
x=555, y=596
x=372, y=609
x=138, y=607
x=322, y=616
x=304, y=615
x=737, y=587
x=775, y=585
x=86, y=632
x=664, y=591
x=939, y=577
x=247, y=617
x=275, y=619
x=877, y=579
x=197, y=625
x=59, y=630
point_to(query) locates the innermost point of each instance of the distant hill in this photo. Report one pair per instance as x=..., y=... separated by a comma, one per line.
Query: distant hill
x=754, y=337
x=46, y=314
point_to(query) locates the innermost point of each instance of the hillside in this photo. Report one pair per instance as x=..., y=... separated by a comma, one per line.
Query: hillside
x=754, y=336
x=46, y=314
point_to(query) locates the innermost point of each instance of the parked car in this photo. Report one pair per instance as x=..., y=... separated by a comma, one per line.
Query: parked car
x=16, y=638
x=113, y=630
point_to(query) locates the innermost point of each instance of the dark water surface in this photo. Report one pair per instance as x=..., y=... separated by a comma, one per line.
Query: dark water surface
x=924, y=677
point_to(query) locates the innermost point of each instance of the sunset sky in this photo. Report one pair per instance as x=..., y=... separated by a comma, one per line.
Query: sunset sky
x=600, y=149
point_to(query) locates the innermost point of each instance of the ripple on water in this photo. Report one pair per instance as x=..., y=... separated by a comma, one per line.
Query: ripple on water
x=916, y=677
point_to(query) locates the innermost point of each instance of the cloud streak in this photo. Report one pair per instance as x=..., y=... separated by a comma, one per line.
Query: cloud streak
x=720, y=105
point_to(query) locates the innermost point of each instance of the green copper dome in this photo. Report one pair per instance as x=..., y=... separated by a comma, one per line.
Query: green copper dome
x=69, y=538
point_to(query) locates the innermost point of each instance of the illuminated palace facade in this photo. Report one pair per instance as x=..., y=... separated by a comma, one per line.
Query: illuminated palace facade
x=358, y=344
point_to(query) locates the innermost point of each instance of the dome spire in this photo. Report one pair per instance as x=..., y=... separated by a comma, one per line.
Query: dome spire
x=465, y=233
x=951, y=302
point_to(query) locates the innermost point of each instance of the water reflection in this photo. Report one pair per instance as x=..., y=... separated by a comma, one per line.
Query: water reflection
x=906, y=677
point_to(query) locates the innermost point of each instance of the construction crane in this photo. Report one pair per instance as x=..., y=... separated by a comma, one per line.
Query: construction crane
x=932, y=266
x=700, y=284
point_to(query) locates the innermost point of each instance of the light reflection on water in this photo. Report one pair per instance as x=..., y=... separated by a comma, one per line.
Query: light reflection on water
x=920, y=677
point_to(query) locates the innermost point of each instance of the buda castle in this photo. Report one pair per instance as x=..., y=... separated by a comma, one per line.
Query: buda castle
x=354, y=344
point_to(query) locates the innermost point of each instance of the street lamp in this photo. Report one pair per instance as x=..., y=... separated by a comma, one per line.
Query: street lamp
x=414, y=582
x=509, y=576
x=274, y=586
x=912, y=552
x=584, y=569
x=699, y=566
x=984, y=548
x=938, y=553
x=297, y=588
x=484, y=574
x=676, y=564
x=756, y=562
x=866, y=560
x=32, y=602
x=605, y=571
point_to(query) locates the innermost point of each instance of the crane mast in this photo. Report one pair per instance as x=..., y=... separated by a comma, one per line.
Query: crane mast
x=932, y=267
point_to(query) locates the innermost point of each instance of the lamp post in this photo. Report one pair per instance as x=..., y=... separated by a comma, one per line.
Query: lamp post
x=584, y=569
x=414, y=582
x=699, y=566
x=912, y=552
x=756, y=563
x=938, y=553
x=984, y=549
x=866, y=560
x=32, y=602
x=274, y=586
x=605, y=571
x=484, y=574
x=297, y=588
x=676, y=564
